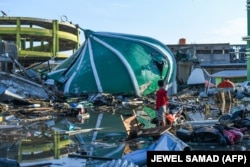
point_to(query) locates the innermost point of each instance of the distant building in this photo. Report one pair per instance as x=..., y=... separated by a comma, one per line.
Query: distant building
x=213, y=57
x=216, y=53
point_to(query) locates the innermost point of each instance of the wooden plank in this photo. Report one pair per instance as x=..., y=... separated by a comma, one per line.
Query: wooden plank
x=157, y=131
x=70, y=133
x=9, y=127
x=89, y=157
x=131, y=124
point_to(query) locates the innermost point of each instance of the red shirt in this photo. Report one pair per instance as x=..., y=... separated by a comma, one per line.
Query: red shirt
x=161, y=98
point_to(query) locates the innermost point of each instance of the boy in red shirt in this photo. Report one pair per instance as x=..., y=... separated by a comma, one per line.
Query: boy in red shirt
x=161, y=103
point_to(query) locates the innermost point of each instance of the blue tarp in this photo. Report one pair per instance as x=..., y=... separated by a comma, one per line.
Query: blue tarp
x=167, y=142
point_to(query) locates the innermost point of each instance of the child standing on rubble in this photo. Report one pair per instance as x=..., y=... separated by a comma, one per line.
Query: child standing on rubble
x=161, y=104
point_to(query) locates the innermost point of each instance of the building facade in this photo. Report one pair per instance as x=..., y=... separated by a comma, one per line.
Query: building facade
x=213, y=57
x=39, y=39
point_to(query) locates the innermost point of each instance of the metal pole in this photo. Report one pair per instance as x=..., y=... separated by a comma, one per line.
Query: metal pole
x=248, y=40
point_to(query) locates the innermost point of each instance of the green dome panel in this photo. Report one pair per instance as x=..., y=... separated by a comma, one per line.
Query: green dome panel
x=116, y=63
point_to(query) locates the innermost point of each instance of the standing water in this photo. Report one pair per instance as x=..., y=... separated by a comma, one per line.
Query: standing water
x=103, y=137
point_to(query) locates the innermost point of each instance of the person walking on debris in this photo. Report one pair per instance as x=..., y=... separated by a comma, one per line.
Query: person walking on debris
x=225, y=89
x=226, y=83
x=161, y=104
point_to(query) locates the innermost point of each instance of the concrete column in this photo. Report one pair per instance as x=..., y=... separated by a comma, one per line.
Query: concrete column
x=18, y=36
x=55, y=45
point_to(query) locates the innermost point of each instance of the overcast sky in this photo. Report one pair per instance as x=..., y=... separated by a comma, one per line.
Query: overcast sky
x=199, y=21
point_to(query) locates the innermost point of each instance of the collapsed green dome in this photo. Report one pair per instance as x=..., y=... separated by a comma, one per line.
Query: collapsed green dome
x=116, y=63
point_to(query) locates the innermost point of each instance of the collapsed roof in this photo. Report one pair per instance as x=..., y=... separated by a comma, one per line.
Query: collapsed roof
x=116, y=63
